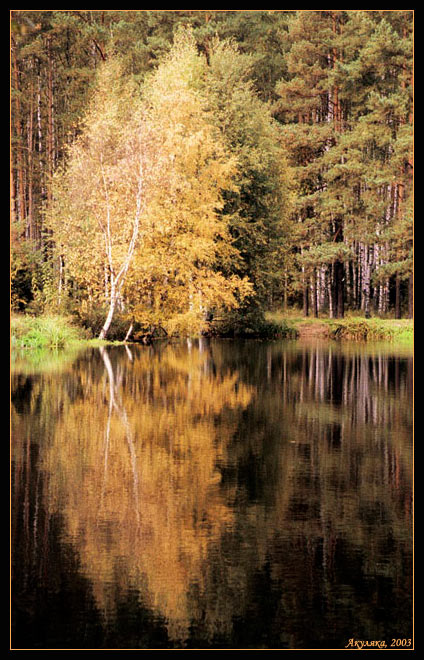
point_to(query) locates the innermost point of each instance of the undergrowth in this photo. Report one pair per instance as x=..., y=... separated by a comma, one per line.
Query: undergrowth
x=43, y=332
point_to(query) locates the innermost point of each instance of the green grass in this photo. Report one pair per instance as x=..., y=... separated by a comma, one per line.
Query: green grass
x=35, y=332
x=371, y=329
x=351, y=327
x=50, y=332
x=56, y=332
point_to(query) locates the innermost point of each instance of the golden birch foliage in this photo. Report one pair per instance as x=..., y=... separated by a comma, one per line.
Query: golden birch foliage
x=100, y=196
x=178, y=261
x=140, y=199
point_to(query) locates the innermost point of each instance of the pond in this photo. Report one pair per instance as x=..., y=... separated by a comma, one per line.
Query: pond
x=212, y=494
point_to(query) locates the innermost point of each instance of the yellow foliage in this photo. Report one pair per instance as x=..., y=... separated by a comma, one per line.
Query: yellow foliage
x=141, y=198
x=143, y=466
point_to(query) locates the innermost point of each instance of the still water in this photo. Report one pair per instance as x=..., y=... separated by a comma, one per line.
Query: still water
x=212, y=494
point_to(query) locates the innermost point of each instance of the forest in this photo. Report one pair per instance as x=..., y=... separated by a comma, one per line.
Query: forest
x=187, y=171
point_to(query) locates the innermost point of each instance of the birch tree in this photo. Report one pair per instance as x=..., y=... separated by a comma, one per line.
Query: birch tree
x=179, y=278
x=136, y=216
x=100, y=197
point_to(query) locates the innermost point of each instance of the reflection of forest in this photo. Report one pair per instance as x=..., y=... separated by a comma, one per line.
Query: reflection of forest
x=236, y=487
x=327, y=460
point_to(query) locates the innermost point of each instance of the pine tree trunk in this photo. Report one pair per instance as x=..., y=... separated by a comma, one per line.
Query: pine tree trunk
x=20, y=194
x=380, y=299
x=330, y=291
x=314, y=294
x=285, y=291
x=411, y=296
x=365, y=282
x=339, y=289
x=354, y=284
x=397, y=297
x=30, y=220
x=322, y=277
x=348, y=284
x=386, y=295
x=40, y=138
x=337, y=111
x=50, y=120
x=339, y=275
x=12, y=195
x=305, y=296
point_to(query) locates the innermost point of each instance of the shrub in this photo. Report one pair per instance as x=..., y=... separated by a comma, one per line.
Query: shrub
x=253, y=325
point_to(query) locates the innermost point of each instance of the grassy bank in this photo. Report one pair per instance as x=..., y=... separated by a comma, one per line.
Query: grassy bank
x=54, y=332
x=49, y=331
x=37, y=332
x=351, y=327
x=372, y=329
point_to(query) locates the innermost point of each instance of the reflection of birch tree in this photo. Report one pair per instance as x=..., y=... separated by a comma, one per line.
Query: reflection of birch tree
x=138, y=481
x=116, y=403
x=308, y=482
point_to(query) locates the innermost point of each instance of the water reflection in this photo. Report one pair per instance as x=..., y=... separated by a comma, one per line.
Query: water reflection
x=214, y=494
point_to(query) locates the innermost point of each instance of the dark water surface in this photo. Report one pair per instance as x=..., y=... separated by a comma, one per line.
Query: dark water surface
x=212, y=494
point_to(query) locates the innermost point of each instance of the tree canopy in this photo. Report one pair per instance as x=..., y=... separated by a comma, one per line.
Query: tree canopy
x=176, y=168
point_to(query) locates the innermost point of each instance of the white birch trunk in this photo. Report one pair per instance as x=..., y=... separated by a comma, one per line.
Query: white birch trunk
x=116, y=281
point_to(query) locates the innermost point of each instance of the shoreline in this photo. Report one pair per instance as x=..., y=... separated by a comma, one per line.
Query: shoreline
x=57, y=332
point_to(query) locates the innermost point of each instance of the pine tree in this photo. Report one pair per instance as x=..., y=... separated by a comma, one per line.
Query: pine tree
x=259, y=210
x=349, y=86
